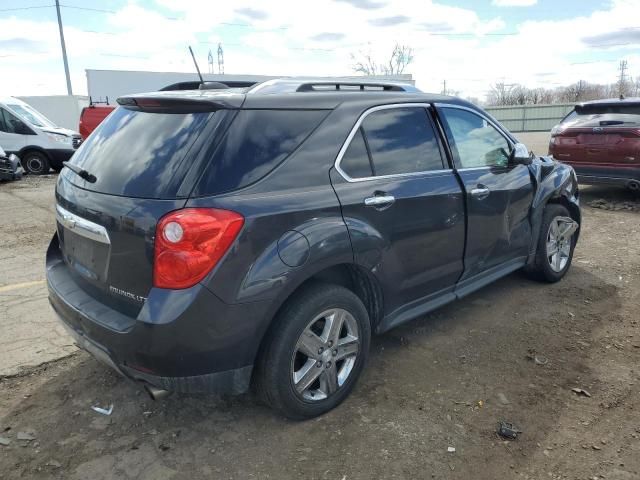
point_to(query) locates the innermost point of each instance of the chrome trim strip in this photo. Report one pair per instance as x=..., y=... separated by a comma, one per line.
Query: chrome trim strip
x=352, y=134
x=82, y=226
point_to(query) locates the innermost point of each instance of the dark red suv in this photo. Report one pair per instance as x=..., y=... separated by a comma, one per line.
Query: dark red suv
x=601, y=141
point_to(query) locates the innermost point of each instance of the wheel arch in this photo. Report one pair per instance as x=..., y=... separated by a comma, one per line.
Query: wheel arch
x=34, y=148
x=559, y=187
x=348, y=275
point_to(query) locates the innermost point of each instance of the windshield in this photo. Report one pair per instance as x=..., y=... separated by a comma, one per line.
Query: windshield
x=31, y=115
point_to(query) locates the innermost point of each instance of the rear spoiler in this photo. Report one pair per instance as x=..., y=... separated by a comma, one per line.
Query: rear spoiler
x=160, y=104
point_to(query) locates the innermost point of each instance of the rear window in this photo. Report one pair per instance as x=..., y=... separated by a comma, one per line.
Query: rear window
x=629, y=109
x=402, y=140
x=606, y=115
x=139, y=154
x=256, y=143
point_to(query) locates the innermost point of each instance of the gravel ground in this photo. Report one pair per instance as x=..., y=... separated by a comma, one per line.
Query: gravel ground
x=441, y=381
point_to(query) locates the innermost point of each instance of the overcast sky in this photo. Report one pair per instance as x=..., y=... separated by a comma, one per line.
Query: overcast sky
x=470, y=43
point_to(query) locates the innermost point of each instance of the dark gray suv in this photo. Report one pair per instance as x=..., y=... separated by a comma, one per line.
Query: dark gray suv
x=212, y=240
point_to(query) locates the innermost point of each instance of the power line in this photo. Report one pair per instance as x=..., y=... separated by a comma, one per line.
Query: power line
x=89, y=9
x=32, y=7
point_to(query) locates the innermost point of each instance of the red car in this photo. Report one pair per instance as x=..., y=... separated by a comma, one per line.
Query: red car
x=601, y=141
x=91, y=117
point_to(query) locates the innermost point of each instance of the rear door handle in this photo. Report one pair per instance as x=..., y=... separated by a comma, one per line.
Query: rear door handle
x=480, y=192
x=379, y=201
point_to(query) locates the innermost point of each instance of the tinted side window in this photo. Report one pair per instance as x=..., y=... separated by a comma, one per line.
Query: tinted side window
x=477, y=142
x=11, y=123
x=402, y=140
x=355, y=161
x=257, y=141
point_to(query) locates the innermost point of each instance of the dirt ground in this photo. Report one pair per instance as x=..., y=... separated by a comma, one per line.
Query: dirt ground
x=512, y=351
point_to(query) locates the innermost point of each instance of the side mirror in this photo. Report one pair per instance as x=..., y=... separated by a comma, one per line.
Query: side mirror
x=520, y=155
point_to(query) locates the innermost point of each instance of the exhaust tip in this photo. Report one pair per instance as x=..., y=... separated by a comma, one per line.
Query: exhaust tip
x=156, y=393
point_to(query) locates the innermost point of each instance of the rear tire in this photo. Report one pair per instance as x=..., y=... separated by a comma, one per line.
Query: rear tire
x=35, y=163
x=549, y=266
x=316, y=352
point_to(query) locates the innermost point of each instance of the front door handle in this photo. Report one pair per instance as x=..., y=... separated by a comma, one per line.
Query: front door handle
x=480, y=192
x=379, y=201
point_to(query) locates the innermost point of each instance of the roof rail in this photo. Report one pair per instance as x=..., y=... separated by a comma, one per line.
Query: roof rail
x=312, y=86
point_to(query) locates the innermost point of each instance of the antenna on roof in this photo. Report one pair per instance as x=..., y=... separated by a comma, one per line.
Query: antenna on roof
x=196, y=64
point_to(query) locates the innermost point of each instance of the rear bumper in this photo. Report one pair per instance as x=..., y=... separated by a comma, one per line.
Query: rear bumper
x=186, y=341
x=602, y=180
x=593, y=173
x=233, y=382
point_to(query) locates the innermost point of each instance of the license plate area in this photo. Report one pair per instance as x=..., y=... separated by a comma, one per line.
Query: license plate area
x=85, y=245
x=86, y=256
x=593, y=139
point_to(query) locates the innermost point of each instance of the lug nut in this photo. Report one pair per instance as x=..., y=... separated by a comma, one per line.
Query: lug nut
x=319, y=364
x=320, y=350
x=334, y=353
x=328, y=364
x=330, y=343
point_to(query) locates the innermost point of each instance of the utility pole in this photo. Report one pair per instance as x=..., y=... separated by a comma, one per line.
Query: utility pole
x=444, y=87
x=622, y=82
x=64, y=50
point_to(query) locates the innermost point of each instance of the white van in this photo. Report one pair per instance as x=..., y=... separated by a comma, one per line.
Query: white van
x=35, y=139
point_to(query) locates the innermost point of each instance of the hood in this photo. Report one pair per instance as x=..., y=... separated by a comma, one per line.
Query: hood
x=60, y=130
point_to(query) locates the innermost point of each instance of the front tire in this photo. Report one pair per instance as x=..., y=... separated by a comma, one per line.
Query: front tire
x=556, y=243
x=316, y=352
x=35, y=163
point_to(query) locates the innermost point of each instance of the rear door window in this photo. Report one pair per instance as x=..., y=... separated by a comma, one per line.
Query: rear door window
x=140, y=154
x=355, y=161
x=256, y=143
x=402, y=140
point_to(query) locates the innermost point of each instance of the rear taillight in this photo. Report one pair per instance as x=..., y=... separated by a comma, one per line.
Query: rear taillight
x=557, y=130
x=190, y=242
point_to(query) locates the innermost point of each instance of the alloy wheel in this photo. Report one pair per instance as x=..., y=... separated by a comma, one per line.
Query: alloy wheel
x=325, y=354
x=559, y=239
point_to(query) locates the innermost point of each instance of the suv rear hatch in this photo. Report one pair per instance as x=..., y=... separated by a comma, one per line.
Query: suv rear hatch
x=142, y=163
x=600, y=134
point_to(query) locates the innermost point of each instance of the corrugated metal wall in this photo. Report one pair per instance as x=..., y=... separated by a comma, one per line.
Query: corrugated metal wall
x=530, y=118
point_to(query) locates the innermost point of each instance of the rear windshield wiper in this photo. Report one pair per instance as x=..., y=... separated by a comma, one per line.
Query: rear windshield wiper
x=80, y=172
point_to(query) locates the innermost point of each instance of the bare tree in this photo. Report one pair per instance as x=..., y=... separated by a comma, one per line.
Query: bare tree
x=365, y=62
x=501, y=94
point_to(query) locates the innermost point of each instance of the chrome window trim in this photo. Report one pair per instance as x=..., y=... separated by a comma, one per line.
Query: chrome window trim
x=82, y=226
x=355, y=129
